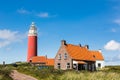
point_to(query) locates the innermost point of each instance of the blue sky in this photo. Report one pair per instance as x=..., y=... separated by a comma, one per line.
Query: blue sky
x=92, y=22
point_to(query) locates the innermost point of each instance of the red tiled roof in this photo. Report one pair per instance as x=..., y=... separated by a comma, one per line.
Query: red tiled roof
x=39, y=59
x=43, y=59
x=81, y=53
x=97, y=55
x=50, y=62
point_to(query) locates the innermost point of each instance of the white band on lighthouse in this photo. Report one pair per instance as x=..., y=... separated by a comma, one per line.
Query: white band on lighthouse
x=32, y=30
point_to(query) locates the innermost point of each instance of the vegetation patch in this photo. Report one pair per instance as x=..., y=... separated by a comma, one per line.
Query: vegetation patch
x=49, y=73
x=4, y=73
x=107, y=73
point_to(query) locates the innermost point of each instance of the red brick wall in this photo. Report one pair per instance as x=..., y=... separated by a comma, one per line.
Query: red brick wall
x=63, y=62
x=32, y=47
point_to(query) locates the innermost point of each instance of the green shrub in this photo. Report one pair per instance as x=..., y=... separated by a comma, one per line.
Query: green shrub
x=4, y=73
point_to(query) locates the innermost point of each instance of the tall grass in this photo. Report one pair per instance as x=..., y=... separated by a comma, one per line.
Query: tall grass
x=108, y=73
x=90, y=76
x=4, y=73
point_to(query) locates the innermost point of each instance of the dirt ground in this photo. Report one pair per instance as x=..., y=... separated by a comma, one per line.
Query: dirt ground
x=20, y=76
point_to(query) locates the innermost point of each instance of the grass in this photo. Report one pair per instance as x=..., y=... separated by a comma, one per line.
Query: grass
x=107, y=73
x=112, y=69
x=4, y=73
x=40, y=74
x=90, y=76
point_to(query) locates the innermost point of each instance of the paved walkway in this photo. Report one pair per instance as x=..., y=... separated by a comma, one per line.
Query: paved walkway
x=20, y=76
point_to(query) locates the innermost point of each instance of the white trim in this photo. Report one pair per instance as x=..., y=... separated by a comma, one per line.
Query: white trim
x=99, y=62
x=32, y=34
x=75, y=62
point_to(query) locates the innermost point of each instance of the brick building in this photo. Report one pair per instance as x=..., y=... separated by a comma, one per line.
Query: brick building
x=77, y=57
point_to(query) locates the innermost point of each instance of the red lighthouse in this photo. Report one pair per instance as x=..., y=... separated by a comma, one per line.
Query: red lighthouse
x=32, y=42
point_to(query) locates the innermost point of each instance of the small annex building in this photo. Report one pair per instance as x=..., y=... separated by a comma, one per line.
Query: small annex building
x=77, y=57
x=42, y=61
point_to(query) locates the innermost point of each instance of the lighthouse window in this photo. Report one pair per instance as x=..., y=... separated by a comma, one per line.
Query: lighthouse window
x=35, y=31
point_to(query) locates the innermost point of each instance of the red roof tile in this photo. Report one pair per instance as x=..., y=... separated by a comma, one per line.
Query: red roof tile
x=39, y=59
x=50, y=62
x=81, y=53
x=43, y=59
x=97, y=55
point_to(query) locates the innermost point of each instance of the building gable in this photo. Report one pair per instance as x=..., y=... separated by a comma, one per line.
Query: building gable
x=62, y=59
x=62, y=51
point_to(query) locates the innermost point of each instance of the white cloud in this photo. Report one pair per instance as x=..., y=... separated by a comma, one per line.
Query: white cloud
x=112, y=45
x=114, y=60
x=45, y=15
x=117, y=21
x=23, y=11
x=113, y=30
x=4, y=43
x=34, y=13
x=8, y=48
x=7, y=37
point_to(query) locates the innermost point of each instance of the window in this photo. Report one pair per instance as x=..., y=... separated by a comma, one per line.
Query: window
x=99, y=65
x=30, y=60
x=65, y=56
x=59, y=56
x=74, y=66
x=68, y=65
x=58, y=65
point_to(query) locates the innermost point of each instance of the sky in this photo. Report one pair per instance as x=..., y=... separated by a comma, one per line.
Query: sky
x=92, y=22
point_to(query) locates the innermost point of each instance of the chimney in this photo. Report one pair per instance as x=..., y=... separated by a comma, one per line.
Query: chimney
x=87, y=46
x=80, y=45
x=3, y=63
x=100, y=50
x=46, y=56
x=63, y=42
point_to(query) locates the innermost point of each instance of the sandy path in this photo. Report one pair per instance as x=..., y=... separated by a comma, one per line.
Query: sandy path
x=20, y=76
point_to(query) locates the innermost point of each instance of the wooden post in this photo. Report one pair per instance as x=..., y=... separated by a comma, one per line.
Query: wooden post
x=3, y=63
x=77, y=67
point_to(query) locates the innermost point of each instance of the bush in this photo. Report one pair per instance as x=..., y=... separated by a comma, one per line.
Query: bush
x=4, y=73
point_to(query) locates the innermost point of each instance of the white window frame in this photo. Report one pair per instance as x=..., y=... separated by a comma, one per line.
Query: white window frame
x=58, y=65
x=68, y=65
x=59, y=56
x=65, y=56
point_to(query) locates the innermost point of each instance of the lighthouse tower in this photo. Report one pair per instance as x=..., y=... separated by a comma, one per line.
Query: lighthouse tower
x=32, y=42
